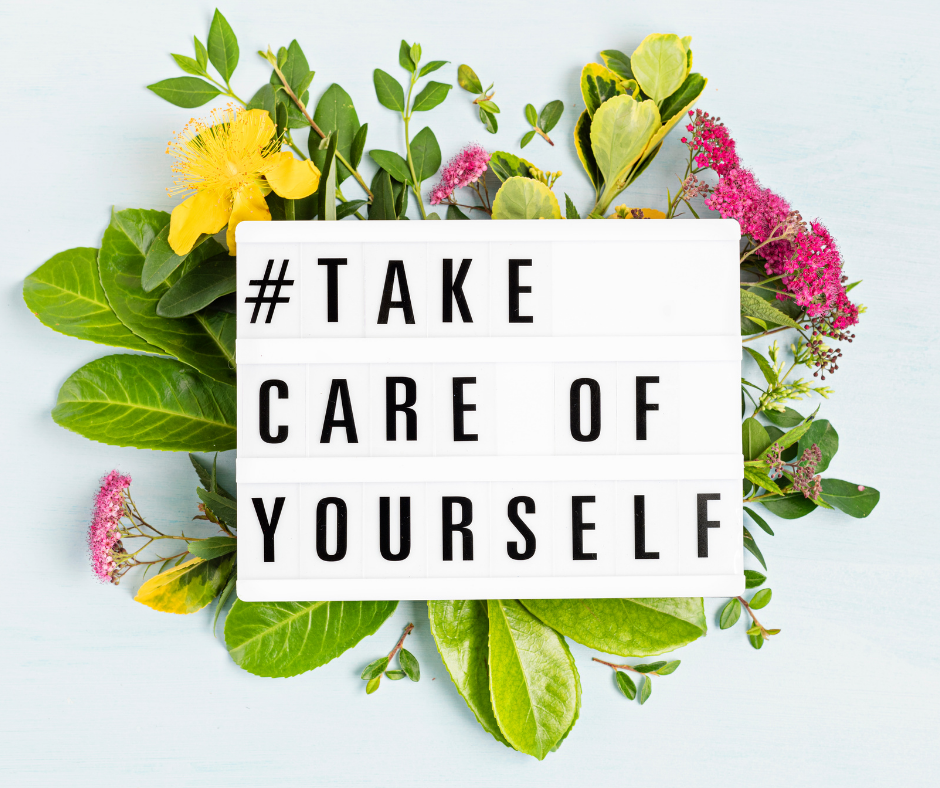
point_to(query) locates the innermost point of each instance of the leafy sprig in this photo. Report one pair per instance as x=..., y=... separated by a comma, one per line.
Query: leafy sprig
x=488, y=110
x=542, y=122
x=408, y=665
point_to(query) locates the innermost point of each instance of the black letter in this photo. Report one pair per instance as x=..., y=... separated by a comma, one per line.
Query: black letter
x=450, y=527
x=339, y=388
x=641, y=404
x=453, y=291
x=392, y=407
x=594, y=390
x=639, y=528
x=268, y=529
x=322, y=506
x=460, y=409
x=513, y=547
x=396, y=268
x=332, y=286
x=385, y=529
x=704, y=523
x=578, y=528
x=264, y=411
x=514, y=289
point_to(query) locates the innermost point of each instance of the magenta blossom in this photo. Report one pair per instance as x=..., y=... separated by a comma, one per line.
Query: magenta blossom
x=104, y=535
x=711, y=143
x=465, y=168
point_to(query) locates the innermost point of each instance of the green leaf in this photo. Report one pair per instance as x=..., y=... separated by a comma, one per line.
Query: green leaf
x=335, y=114
x=392, y=163
x=789, y=417
x=404, y=56
x=525, y=198
x=531, y=114
x=425, y=154
x=599, y=85
x=148, y=403
x=416, y=53
x=453, y=212
x=790, y=507
x=754, y=630
x=394, y=675
x=388, y=91
x=766, y=370
x=756, y=640
x=223, y=46
x=527, y=138
x=358, y=145
x=571, y=212
x=461, y=632
x=582, y=144
x=199, y=288
x=383, y=197
x=223, y=598
x=626, y=627
x=753, y=579
x=754, y=438
x=854, y=499
x=489, y=106
x=669, y=667
x=265, y=99
x=468, y=80
x=660, y=65
x=687, y=94
x=533, y=679
x=792, y=436
x=409, y=664
x=751, y=546
x=505, y=166
x=213, y=547
x=279, y=639
x=730, y=614
x=652, y=667
x=65, y=293
x=759, y=520
x=760, y=599
x=192, y=340
x=349, y=208
x=296, y=70
x=754, y=306
x=489, y=121
x=761, y=479
x=618, y=62
x=824, y=435
x=187, y=92
x=187, y=588
x=162, y=261
x=189, y=65
x=326, y=194
x=625, y=683
x=221, y=506
x=207, y=480
x=550, y=115
x=620, y=131
x=430, y=96
x=373, y=684
x=646, y=690
x=431, y=67
x=373, y=669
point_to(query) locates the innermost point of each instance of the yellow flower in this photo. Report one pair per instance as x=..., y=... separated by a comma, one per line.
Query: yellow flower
x=230, y=163
x=623, y=212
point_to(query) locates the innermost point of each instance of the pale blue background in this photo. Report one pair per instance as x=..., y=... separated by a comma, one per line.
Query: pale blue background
x=833, y=104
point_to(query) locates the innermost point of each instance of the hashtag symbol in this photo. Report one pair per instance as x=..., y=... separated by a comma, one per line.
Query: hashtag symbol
x=273, y=300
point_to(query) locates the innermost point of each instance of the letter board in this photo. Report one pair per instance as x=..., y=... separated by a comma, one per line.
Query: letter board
x=472, y=410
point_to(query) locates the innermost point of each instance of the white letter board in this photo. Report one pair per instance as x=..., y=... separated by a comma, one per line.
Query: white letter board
x=479, y=410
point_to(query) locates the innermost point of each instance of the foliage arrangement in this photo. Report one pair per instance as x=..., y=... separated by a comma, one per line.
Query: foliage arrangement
x=160, y=285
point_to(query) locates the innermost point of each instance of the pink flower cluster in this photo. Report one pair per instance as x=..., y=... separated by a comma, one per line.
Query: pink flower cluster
x=104, y=534
x=465, y=168
x=711, y=143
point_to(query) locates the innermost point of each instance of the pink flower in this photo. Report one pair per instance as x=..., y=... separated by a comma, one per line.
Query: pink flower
x=465, y=168
x=712, y=144
x=104, y=537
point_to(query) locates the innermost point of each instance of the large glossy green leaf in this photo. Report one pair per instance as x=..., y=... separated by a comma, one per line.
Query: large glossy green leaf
x=148, y=403
x=335, y=113
x=425, y=154
x=620, y=130
x=161, y=261
x=189, y=587
x=855, y=500
x=791, y=506
x=66, y=295
x=186, y=92
x=754, y=438
x=626, y=627
x=199, y=287
x=388, y=90
x=382, y=206
x=223, y=46
x=392, y=163
x=824, y=435
x=120, y=262
x=660, y=64
x=279, y=639
x=461, y=630
x=534, y=683
x=525, y=198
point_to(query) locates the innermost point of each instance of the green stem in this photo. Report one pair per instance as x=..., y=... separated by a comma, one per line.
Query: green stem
x=406, y=117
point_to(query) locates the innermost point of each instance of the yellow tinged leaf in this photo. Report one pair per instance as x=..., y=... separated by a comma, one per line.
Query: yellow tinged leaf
x=619, y=134
x=582, y=144
x=186, y=588
x=598, y=84
x=660, y=64
x=525, y=198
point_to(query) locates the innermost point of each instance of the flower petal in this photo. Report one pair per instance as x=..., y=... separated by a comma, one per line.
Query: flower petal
x=292, y=178
x=206, y=212
x=249, y=206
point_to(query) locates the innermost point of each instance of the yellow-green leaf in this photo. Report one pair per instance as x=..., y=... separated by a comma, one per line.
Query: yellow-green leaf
x=188, y=587
x=525, y=198
x=582, y=144
x=620, y=131
x=660, y=64
x=598, y=84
